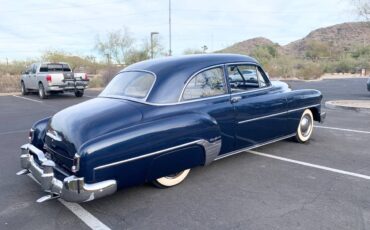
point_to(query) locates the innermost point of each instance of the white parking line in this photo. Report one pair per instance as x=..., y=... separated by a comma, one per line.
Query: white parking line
x=341, y=129
x=89, y=219
x=15, y=131
x=343, y=172
x=25, y=98
x=84, y=215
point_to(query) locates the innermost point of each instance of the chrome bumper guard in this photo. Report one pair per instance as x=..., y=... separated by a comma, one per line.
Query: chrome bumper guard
x=72, y=188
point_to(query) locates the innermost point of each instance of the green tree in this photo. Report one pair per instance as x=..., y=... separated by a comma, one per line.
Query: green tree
x=117, y=45
x=192, y=51
x=316, y=50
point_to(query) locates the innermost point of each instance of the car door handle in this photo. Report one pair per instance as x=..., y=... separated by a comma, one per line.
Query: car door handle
x=235, y=99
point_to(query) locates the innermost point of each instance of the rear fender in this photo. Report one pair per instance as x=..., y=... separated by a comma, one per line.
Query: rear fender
x=194, y=137
x=39, y=132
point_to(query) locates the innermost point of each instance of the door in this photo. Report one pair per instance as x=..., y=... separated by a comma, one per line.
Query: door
x=32, y=77
x=260, y=108
x=208, y=91
x=26, y=77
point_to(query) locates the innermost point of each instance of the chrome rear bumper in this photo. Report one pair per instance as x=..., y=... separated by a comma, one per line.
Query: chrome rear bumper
x=72, y=188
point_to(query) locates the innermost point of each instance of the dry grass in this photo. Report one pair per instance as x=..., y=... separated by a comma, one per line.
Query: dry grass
x=9, y=83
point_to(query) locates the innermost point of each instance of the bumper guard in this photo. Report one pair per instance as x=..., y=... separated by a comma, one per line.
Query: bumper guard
x=72, y=188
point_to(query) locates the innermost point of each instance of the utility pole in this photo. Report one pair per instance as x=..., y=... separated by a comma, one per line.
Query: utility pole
x=169, y=27
x=108, y=61
x=151, y=44
x=205, y=48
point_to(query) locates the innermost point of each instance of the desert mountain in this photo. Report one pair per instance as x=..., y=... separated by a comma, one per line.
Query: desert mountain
x=341, y=37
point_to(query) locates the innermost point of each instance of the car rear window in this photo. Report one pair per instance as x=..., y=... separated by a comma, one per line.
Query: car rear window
x=55, y=68
x=134, y=84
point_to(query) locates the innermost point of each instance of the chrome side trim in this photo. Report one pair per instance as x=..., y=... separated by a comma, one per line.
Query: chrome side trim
x=277, y=114
x=212, y=149
x=306, y=107
x=260, y=118
x=253, y=147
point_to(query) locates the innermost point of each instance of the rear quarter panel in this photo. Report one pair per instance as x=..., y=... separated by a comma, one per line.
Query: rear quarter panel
x=146, y=138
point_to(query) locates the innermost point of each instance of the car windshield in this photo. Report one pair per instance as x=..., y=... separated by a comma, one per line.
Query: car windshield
x=134, y=84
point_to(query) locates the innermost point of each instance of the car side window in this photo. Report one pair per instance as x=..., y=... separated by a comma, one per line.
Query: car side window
x=208, y=83
x=245, y=77
x=261, y=79
x=33, y=68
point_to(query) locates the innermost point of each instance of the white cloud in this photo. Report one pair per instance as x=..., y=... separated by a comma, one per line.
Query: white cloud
x=29, y=27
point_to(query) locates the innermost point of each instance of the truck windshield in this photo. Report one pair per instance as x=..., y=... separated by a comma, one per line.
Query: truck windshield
x=55, y=68
x=134, y=84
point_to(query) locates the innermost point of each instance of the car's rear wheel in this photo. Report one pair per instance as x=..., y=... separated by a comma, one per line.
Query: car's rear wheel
x=42, y=93
x=79, y=93
x=23, y=88
x=305, y=127
x=171, y=180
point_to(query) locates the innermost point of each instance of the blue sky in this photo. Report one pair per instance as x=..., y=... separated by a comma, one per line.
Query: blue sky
x=27, y=28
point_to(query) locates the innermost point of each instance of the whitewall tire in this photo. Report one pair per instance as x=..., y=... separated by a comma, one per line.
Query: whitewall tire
x=305, y=127
x=171, y=180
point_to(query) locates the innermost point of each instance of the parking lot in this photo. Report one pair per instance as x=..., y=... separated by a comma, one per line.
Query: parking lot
x=324, y=184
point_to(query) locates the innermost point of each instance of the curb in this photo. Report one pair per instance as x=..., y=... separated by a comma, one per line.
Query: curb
x=10, y=94
x=333, y=105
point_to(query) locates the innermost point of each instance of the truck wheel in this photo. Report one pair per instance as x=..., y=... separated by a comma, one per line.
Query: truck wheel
x=305, y=127
x=42, y=93
x=23, y=89
x=79, y=93
x=171, y=180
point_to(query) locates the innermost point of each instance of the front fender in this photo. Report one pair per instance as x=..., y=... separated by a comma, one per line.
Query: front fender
x=138, y=145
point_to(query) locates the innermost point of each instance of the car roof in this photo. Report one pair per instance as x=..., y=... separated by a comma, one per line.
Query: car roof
x=172, y=73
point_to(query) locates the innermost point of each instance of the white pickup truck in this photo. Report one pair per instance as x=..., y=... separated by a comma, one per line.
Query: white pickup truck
x=47, y=78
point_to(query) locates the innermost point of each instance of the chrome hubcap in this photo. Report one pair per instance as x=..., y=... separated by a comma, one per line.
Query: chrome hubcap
x=306, y=125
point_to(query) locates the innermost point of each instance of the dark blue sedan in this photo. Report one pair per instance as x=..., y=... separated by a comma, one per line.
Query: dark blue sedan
x=158, y=119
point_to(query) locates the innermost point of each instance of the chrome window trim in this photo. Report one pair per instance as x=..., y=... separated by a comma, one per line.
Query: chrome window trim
x=277, y=114
x=198, y=72
x=133, y=98
x=252, y=90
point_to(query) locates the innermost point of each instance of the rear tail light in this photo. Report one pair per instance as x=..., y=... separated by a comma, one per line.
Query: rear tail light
x=30, y=135
x=48, y=78
x=76, y=163
x=86, y=78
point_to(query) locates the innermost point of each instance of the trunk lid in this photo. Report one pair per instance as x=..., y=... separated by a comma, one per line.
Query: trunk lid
x=73, y=126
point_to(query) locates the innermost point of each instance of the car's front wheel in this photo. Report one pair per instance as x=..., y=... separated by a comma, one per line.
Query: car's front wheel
x=171, y=180
x=42, y=93
x=305, y=127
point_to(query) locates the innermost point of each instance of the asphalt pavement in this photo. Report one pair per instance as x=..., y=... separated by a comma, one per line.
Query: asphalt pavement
x=324, y=184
